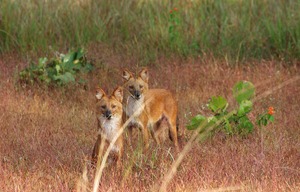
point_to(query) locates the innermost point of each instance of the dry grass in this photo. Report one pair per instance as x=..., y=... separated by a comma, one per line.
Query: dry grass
x=47, y=135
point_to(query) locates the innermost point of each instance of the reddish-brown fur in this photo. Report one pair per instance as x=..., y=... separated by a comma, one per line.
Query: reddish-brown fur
x=155, y=105
x=109, y=115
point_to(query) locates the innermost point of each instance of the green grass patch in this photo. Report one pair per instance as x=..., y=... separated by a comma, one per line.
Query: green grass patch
x=234, y=29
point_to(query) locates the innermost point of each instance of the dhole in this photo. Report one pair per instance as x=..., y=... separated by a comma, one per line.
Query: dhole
x=109, y=110
x=149, y=107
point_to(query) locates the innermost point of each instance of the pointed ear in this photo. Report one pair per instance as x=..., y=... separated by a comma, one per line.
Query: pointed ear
x=144, y=75
x=127, y=74
x=100, y=93
x=118, y=93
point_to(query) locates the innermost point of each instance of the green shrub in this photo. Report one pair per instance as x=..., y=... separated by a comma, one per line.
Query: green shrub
x=236, y=121
x=62, y=70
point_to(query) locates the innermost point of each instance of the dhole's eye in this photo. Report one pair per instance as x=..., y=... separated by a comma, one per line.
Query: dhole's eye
x=113, y=106
x=131, y=87
x=103, y=106
x=141, y=86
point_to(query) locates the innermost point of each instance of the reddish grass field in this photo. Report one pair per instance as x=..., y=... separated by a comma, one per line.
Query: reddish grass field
x=47, y=135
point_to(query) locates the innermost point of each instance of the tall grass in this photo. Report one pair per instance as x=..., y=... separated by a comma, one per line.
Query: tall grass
x=235, y=29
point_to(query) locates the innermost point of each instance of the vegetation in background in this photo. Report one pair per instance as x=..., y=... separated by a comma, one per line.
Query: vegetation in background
x=61, y=70
x=237, y=121
x=231, y=29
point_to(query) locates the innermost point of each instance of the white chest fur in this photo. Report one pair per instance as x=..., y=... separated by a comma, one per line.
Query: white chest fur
x=109, y=128
x=134, y=108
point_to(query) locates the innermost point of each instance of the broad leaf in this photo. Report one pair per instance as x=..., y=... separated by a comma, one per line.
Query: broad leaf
x=58, y=68
x=271, y=118
x=79, y=54
x=69, y=57
x=218, y=104
x=243, y=90
x=245, y=124
x=196, y=122
x=42, y=62
x=244, y=108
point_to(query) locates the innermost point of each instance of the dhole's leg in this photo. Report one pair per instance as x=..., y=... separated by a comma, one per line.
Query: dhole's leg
x=145, y=136
x=177, y=125
x=155, y=131
x=98, y=148
x=145, y=133
x=115, y=159
x=119, y=143
x=173, y=131
x=130, y=129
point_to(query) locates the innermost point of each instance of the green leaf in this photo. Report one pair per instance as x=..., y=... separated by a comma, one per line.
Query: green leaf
x=244, y=108
x=69, y=57
x=69, y=67
x=243, y=90
x=211, y=121
x=58, y=68
x=42, y=62
x=233, y=118
x=77, y=66
x=79, y=54
x=227, y=126
x=271, y=118
x=65, y=78
x=245, y=124
x=218, y=104
x=259, y=120
x=196, y=122
x=265, y=121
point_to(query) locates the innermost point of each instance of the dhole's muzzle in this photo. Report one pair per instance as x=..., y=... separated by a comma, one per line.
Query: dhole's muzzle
x=137, y=94
x=107, y=114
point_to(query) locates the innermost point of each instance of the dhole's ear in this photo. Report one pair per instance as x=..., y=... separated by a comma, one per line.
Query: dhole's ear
x=127, y=74
x=99, y=93
x=118, y=94
x=144, y=75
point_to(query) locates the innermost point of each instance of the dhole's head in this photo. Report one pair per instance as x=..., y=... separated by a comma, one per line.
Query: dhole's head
x=109, y=107
x=136, y=86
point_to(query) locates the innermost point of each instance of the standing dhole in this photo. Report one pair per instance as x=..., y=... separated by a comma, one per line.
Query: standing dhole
x=149, y=107
x=109, y=110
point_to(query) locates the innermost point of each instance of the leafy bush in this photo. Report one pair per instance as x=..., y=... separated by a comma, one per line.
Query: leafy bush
x=237, y=121
x=61, y=70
